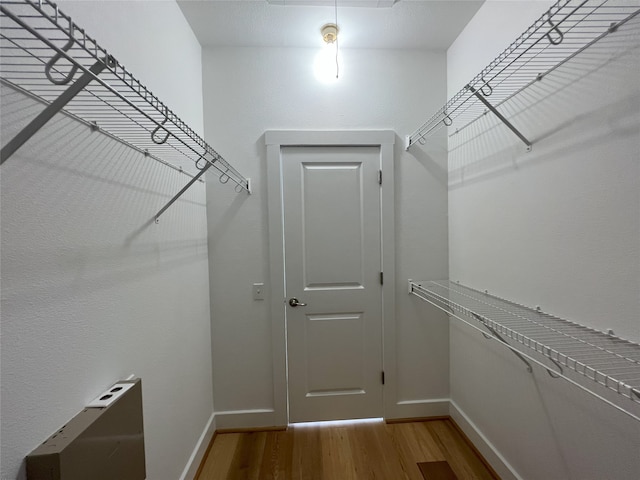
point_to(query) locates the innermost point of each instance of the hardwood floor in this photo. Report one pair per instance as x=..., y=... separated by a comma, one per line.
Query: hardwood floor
x=357, y=451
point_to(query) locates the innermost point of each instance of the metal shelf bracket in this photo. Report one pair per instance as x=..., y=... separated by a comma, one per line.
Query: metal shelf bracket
x=43, y=117
x=184, y=189
x=495, y=334
x=502, y=118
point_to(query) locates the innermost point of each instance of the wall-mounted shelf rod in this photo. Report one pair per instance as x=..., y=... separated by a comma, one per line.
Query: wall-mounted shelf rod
x=42, y=50
x=566, y=29
x=541, y=76
x=94, y=127
x=600, y=364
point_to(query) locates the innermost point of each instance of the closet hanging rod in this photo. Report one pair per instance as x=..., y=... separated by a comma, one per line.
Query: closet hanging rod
x=568, y=27
x=36, y=35
x=583, y=356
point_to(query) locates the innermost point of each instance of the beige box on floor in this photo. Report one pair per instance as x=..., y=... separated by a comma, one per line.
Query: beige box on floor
x=103, y=443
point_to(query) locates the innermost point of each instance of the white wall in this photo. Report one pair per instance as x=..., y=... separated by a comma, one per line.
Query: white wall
x=558, y=227
x=250, y=90
x=90, y=291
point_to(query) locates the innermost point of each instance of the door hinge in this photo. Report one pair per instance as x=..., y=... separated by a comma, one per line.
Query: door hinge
x=381, y=278
x=383, y=377
x=379, y=177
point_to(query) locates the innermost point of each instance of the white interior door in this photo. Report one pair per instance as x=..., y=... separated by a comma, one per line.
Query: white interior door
x=332, y=239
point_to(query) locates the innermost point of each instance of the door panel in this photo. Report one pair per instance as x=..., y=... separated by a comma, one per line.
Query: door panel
x=332, y=263
x=332, y=198
x=338, y=370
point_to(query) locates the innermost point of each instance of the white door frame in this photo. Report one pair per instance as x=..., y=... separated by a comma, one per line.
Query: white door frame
x=275, y=140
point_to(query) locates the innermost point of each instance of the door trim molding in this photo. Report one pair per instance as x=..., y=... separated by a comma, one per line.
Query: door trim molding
x=275, y=140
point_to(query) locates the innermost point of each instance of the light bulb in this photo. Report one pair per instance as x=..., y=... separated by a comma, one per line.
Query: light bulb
x=327, y=66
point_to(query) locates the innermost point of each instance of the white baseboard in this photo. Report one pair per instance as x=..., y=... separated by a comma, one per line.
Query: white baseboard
x=197, y=456
x=484, y=446
x=248, y=419
x=437, y=407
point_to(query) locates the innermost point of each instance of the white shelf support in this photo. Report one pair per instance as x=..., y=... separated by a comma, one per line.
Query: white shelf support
x=480, y=96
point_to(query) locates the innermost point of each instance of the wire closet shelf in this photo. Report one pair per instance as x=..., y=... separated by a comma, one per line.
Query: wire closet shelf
x=565, y=30
x=587, y=358
x=45, y=55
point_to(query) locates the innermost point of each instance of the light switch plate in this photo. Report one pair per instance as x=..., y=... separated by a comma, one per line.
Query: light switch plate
x=258, y=291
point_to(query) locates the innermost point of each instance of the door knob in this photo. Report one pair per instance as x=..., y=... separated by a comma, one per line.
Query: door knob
x=295, y=303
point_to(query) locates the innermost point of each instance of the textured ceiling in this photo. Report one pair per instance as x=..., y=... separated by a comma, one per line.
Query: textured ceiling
x=423, y=24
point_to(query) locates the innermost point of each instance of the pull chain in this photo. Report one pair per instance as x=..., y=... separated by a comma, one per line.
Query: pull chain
x=337, y=40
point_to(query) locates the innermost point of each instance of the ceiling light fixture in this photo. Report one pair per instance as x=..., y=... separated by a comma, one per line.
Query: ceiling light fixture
x=327, y=65
x=329, y=33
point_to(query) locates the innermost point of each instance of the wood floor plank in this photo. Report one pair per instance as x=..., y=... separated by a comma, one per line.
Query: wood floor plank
x=307, y=454
x=375, y=455
x=415, y=442
x=462, y=459
x=218, y=462
x=407, y=449
x=278, y=456
x=247, y=458
x=337, y=459
x=429, y=448
x=364, y=451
